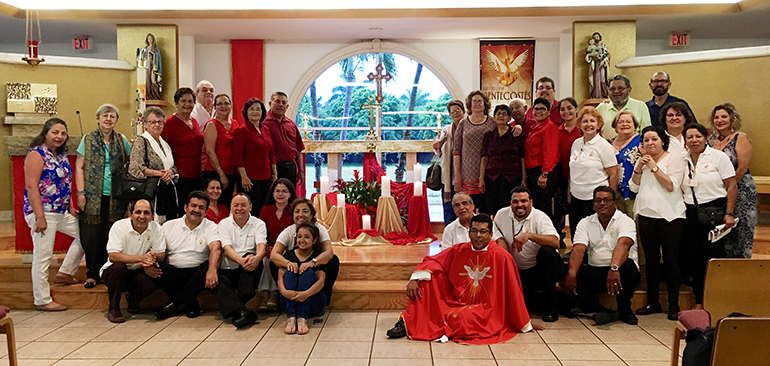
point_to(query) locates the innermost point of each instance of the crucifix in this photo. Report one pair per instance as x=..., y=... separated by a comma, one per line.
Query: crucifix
x=379, y=77
x=371, y=107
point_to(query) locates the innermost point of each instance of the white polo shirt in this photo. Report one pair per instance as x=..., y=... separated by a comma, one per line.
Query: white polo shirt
x=601, y=242
x=506, y=226
x=187, y=248
x=712, y=169
x=243, y=240
x=288, y=237
x=124, y=239
x=454, y=233
x=587, y=166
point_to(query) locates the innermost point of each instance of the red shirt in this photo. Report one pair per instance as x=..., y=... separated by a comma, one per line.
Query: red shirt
x=542, y=147
x=253, y=150
x=223, y=213
x=186, y=145
x=555, y=117
x=287, y=140
x=566, y=138
x=273, y=223
x=224, y=147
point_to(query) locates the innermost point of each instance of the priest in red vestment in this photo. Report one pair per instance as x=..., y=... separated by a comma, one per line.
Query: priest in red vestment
x=470, y=293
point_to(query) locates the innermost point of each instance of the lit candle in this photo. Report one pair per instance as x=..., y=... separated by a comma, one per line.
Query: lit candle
x=438, y=119
x=366, y=220
x=340, y=200
x=324, y=185
x=385, y=186
x=418, y=188
x=418, y=172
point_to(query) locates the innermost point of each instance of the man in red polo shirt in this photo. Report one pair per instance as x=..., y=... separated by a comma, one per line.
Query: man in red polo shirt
x=287, y=141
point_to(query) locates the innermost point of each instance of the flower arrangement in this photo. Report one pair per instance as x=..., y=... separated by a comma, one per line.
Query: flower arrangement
x=359, y=193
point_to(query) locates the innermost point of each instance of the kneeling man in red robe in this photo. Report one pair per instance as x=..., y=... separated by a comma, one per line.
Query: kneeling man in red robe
x=470, y=293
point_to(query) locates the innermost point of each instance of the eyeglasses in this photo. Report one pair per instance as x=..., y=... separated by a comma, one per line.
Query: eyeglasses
x=659, y=81
x=477, y=101
x=284, y=191
x=545, y=87
x=223, y=104
x=158, y=122
x=618, y=89
x=482, y=231
x=603, y=200
x=539, y=109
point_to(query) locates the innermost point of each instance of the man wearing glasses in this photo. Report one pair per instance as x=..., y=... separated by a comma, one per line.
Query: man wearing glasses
x=620, y=88
x=546, y=88
x=609, y=237
x=659, y=84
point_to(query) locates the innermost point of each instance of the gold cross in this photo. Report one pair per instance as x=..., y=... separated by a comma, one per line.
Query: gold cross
x=371, y=107
x=379, y=77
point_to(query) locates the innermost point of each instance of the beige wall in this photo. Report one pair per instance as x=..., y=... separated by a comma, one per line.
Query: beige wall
x=79, y=89
x=707, y=83
x=620, y=38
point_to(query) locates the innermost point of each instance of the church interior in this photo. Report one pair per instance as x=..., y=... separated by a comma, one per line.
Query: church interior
x=256, y=51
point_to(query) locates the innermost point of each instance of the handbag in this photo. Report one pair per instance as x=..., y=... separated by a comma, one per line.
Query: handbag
x=132, y=188
x=433, y=175
x=707, y=216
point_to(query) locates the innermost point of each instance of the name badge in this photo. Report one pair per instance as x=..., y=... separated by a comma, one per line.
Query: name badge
x=692, y=182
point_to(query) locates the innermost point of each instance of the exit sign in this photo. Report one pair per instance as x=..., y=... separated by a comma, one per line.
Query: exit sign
x=679, y=39
x=81, y=43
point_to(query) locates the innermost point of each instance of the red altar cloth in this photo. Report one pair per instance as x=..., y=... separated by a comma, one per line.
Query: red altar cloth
x=417, y=224
x=352, y=214
x=23, y=237
x=472, y=297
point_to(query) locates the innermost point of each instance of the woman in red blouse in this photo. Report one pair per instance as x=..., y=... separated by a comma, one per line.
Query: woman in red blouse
x=253, y=155
x=541, y=158
x=277, y=216
x=218, y=141
x=217, y=211
x=183, y=135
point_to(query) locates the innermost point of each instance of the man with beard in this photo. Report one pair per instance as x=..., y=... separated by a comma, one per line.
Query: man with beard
x=620, y=88
x=659, y=84
x=204, y=108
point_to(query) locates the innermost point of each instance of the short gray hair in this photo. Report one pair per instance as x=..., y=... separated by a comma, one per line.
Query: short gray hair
x=200, y=84
x=517, y=100
x=620, y=77
x=153, y=110
x=106, y=108
x=459, y=194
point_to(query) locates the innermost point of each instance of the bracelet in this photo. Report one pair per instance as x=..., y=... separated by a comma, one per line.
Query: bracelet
x=637, y=172
x=729, y=214
x=219, y=169
x=80, y=192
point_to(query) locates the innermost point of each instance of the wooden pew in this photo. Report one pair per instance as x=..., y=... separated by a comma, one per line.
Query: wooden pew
x=6, y=327
x=742, y=341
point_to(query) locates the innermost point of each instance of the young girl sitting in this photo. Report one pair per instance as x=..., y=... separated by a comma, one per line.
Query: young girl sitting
x=302, y=280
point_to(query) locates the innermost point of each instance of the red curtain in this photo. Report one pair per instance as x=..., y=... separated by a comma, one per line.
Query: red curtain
x=248, y=70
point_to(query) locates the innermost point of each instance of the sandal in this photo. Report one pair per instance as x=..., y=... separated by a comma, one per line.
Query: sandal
x=90, y=283
x=64, y=279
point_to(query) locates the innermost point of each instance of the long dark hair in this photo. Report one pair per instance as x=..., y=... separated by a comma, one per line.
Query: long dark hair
x=289, y=186
x=40, y=139
x=314, y=232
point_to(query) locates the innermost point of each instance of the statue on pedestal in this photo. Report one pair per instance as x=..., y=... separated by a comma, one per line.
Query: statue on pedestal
x=598, y=58
x=149, y=58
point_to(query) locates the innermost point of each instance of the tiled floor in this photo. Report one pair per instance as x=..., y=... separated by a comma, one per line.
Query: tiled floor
x=85, y=337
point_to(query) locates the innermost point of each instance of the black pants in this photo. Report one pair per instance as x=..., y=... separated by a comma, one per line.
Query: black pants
x=656, y=234
x=697, y=249
x=332, y=271
x=257, y=193
x=183, y=285
x=183, y=188
x=244, y=282
x=227, y=192
x=120, y=279
x=542, y=198
x=543, y=276
x=592, y=280
x=288, y=170
x=561, y=206
x=94, y=238
x=498, y=193
x=578, y=210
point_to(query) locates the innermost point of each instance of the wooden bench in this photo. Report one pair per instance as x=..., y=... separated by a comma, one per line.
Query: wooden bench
x=742, y=341
x=763, y=188
x=732, y=285
x=6, y=327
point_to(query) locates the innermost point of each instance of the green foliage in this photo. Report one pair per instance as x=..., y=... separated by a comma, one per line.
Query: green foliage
x=359, y=192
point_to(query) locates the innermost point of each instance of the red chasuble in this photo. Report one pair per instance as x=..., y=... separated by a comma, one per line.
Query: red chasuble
x=472, y=297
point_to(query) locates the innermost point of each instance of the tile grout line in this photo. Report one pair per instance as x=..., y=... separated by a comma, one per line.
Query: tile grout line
x=261, y=338
x=604, y=343
x=319, y=336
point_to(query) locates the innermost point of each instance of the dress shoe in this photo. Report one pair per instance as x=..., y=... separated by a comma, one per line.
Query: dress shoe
x=673, y=312
x=165, y=311
x=629, y=319
x=133, y=304
x=606, y=317
x=193, y=310
x=649, y=309
x=550, y=317
x=64, y=279
x=398, y=331
x=244, y=318
x=115, y=316
x=90, y=283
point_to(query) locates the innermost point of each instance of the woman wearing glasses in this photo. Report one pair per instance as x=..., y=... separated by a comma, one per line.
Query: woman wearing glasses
x=541, y=158
x=443, y=145
x=218, y=142
x=468, y=140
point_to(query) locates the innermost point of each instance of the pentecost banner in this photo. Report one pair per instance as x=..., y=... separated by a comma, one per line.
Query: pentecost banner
x=506, y=68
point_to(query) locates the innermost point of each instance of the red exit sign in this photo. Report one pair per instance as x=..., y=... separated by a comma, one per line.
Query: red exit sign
x=81, y=43
x=679, y=39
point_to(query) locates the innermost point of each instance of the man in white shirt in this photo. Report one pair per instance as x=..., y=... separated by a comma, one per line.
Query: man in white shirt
x=193, y=254
x=135, y=246
x=457, y=231
x=243, y=242
x=528, y=234
x=204, y=106
x=609, y=237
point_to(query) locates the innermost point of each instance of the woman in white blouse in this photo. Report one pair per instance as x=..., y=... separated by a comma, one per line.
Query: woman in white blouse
x=660, y=212
x=673, y=117
x=709, y=183
x=592, y=163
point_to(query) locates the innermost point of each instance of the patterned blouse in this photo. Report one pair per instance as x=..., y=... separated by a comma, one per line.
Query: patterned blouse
x=627, y=157
x=55, y=184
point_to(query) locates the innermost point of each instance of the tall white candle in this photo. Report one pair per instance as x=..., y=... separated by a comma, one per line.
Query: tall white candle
x=366, y=220
x=417, y=172
x=385, y=186
x=324, y=185
x=340, y=200
x=418, y=188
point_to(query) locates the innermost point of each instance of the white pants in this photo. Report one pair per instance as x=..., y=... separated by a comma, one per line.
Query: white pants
x=43, y=251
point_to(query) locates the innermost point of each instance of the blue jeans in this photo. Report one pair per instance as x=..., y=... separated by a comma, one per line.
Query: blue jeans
x=300, y=282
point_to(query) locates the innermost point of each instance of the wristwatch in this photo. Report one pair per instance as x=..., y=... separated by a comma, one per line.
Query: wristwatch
x=614, y=267
x=655, y=169
x=544, y=174
x=729, y=214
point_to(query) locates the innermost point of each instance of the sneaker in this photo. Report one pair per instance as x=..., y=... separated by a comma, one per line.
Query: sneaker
x=398, y=331
x=605, y=317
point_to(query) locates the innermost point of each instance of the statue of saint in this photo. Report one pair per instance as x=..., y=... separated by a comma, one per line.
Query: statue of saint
x=149, y=58
x=598, y=58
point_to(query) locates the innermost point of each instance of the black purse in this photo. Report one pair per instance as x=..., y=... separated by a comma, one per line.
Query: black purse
x=707, y=216
x=433, y=175
x=132, y=188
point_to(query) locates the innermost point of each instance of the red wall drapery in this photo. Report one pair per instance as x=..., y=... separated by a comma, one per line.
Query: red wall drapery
x=247, y=58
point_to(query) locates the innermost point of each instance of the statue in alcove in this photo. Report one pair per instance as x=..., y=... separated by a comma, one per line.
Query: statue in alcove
x=149, y=58
x=598, y=58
